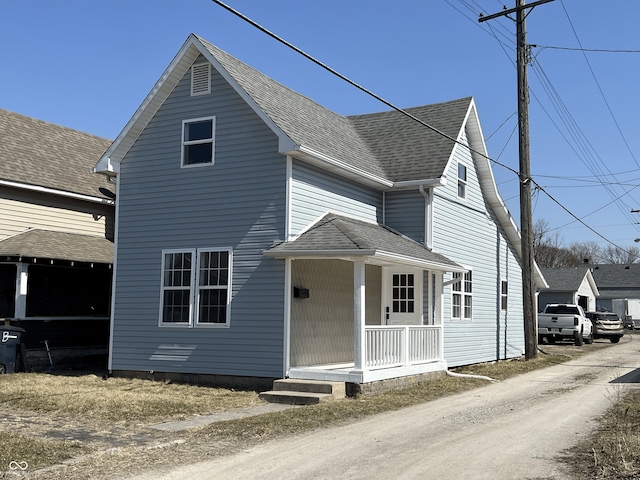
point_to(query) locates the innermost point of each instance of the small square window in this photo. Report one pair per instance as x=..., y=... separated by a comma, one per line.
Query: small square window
x=198, y=141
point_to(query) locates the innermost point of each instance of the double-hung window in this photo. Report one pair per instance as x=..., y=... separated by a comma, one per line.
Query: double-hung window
x=461, y=297
x=198, y=141
x=196, y=287
x=462, y=181
x=504, y=292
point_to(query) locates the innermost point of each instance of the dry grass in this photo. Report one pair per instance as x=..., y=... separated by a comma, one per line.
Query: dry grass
x=613, y=450
x=19, y=453
x=103, y=407
x=116, y=399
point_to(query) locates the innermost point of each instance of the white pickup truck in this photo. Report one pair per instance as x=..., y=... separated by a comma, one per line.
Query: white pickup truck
x=564, y=321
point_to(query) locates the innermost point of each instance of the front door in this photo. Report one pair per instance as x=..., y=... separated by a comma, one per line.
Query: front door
x=403, y=296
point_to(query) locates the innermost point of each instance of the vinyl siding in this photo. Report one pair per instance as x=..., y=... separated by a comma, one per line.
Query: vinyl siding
x=404, y=212
x=314, y=192
x=21, y=210
x=467, y=232
x=238, y=202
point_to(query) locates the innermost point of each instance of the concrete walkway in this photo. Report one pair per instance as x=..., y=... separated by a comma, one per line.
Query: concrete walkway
x=202, y=420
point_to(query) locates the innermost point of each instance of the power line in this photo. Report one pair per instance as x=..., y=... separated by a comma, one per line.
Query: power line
x=577, y=219
x=615, y=121
x=354, y=84
x=391, y=105
x=596, y=50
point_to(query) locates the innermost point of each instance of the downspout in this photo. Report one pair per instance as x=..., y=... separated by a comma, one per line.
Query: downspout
x=428, y=216
x=466, y=375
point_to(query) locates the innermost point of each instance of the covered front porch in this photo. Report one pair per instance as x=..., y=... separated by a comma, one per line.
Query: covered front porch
x=368, y=314
x=390, y=352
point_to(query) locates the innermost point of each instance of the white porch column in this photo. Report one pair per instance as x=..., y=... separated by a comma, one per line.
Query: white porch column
x=439, y=320
x=287, y=315
x=359, y=314
x=21, y=290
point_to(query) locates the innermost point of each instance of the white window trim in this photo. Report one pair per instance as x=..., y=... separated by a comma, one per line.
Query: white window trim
x=228, y=288
x=463, y=295
x=462, y=182
x=192, y=251
x=194, y=289
x=211, y=140
x=504, y=295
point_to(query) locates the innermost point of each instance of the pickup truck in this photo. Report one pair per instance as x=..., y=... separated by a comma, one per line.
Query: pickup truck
x=562, y=322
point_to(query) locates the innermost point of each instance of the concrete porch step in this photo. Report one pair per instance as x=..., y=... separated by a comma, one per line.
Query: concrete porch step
x=303, y=392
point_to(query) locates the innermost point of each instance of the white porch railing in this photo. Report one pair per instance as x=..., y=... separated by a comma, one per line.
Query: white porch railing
x=392, y=346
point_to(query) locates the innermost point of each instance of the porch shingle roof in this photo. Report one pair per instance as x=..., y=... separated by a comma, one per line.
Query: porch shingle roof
x=58, y=246
x=336, y=236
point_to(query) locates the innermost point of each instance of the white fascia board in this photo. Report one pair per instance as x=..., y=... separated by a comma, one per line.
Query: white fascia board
x=433, y=182
x=372, y=255
x=53, y=191
x=485, y=174
x=318, y=158
x=592, y=283
x=416, y=262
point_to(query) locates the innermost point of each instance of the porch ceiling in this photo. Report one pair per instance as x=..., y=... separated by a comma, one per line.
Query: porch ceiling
x=336, y=236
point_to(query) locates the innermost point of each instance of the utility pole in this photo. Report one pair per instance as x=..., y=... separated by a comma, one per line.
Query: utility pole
x=523, y=55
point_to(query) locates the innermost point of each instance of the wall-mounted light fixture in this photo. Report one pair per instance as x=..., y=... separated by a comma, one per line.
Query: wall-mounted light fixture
x=299, y=292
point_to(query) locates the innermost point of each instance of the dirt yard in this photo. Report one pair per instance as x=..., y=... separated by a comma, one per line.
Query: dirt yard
x=513, y=429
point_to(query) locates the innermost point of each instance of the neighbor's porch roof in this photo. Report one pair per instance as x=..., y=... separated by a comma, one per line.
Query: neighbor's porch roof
x=336, y=236
x=49, y=245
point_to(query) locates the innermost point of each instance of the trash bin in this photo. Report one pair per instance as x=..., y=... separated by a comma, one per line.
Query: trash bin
x=9, y=341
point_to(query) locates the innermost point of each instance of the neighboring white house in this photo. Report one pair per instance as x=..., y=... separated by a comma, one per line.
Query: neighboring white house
x=569, y=285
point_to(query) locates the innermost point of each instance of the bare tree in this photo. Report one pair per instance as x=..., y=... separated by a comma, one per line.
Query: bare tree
x=548, y=250
x=588, y=252
x=611, y=254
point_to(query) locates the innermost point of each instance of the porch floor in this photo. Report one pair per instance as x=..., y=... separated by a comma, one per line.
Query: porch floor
x=346, y=372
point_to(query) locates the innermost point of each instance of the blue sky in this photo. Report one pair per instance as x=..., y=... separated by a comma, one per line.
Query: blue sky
x=88, y=66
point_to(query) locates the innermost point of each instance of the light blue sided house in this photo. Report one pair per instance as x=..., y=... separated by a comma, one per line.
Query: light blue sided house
x=262, y=236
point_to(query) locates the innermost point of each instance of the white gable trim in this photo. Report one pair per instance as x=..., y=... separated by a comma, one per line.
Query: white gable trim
x=488, y=184
x=192, y=48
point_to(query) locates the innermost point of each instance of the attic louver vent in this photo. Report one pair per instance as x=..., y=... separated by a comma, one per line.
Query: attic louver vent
x=200, y=79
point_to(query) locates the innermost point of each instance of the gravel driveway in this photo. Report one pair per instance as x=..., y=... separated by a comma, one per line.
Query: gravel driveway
x=515, y=429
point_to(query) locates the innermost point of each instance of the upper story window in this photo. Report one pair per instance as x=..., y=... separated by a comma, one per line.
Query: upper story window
x=196, y=287
x=461, y=297
x=504, y=292
x=462, y=181
x=200, y=79
x=198, y=138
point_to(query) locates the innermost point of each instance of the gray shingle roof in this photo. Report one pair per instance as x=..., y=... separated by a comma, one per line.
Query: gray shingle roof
x=389, y=144
x=408, y=150
x=42, y=154
x=45, y=244
x=618, y=276
x=564, y=279
x=339, y=235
